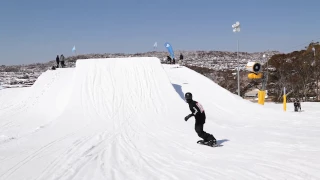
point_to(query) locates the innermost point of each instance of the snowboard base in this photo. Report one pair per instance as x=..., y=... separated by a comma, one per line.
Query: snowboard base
x=203, y=143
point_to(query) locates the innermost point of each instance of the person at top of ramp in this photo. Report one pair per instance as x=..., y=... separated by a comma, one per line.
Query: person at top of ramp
x=169, y=59
x=200, y=116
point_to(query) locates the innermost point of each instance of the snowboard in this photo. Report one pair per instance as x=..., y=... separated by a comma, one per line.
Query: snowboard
x=203, y=143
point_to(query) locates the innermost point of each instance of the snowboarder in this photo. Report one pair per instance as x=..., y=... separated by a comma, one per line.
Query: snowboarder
x=169, y=59
x=200, y=116
x=181, y=56
x=62, y=61
x=181, y=59
x=57, y=60
x=297, y=105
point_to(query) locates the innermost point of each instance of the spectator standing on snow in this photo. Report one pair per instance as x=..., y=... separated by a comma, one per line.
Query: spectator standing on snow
x=181, y=59
x=57, y=60
x=62, y=61
x=169, y=59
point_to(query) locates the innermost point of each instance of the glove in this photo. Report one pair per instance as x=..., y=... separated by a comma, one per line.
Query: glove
x=187, y=117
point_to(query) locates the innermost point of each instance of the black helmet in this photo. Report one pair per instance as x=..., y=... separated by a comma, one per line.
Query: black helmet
x=188, y=96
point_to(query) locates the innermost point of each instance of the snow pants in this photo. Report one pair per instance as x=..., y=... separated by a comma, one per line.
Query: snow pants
x=62, y=64
x=57, y=63
x=204, y=135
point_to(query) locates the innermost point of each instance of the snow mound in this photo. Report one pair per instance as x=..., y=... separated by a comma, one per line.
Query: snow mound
x=123, y=118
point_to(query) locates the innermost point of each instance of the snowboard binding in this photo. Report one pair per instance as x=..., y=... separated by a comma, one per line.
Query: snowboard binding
x=208, y=143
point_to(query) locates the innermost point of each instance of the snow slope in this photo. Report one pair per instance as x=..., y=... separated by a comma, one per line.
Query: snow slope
x=124, y=119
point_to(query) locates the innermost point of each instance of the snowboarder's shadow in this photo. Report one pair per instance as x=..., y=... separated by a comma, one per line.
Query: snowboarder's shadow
x=222, y=141
x=178, y=89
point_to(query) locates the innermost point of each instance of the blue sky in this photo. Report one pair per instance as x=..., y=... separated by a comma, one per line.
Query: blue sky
x=38, y=30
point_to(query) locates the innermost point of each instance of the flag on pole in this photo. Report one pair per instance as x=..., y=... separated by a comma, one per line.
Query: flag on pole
x=74, y=49
x=170, y=50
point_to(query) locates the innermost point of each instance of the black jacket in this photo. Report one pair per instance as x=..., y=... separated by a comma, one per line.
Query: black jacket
x=181, y=57
x=197, y=111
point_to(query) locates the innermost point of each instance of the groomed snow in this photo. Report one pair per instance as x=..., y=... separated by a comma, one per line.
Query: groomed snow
x=124, y=119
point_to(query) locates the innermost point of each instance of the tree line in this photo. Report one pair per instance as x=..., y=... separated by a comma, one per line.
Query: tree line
x=298, y=72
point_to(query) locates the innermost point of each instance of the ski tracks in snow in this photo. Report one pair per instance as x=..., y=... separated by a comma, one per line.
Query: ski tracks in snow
x=36, y=107
x=123, y=120
x=32, y=97
x=114, y=108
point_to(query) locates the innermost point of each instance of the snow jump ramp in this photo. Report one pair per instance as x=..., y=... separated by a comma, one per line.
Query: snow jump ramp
x=115, y=109
x=123, y=118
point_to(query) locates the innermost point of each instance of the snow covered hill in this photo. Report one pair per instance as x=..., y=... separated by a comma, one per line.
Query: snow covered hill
x=124, y=119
